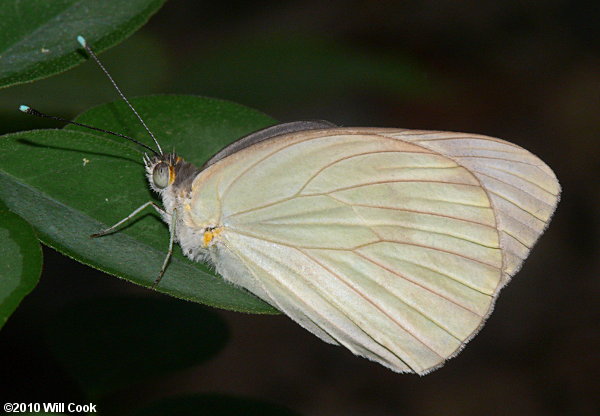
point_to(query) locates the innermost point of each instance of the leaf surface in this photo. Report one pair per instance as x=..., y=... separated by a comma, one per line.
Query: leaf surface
x=70, y=183
x=20, y=261
x=38, y=37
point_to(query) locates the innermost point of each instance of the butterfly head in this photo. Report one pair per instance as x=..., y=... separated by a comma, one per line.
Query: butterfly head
x=168, y=169
x=161, y=170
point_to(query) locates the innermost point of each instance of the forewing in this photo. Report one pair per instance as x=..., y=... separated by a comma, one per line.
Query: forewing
x=387, y=247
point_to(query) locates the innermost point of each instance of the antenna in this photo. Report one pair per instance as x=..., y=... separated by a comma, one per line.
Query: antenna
x=28, y=110
x=84, y=44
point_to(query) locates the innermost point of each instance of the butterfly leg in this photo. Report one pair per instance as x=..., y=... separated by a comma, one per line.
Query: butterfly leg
x=170, y=251
x=127, y=218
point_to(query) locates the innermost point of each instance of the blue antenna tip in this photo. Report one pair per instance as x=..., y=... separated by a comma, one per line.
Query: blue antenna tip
x=24, y=108
x=81, y=40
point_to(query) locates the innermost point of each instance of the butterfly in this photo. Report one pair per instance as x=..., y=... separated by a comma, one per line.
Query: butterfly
x=393, y=243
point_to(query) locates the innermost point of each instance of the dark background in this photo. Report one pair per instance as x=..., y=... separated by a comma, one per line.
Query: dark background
x=525, y=71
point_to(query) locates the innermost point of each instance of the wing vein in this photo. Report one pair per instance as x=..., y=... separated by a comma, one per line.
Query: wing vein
x=492, y=205
x=516, y=176
x=428, y=289
x=516, y=205
x=487, y=149
x=360, y=185
x=504, y=230
x=428, y=231
x=279, y=201
x=516, y=187
x=281, y=283
x=469, y=138
x=426, y=247
x=499, y=158
x=413, y=211
x=320, y=170
x=298, y=298
x=425, y=199
x=262, y=159
x=443, y=274
x=354, y=250
x=365, y=297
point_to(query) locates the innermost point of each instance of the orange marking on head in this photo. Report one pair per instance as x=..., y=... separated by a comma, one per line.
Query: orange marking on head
x=171, y=174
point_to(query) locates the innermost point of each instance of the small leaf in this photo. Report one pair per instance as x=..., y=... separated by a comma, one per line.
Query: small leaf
x=214, y=405
x=69, y=184
x=107, y=344
x=20, y=261
x=38, y=37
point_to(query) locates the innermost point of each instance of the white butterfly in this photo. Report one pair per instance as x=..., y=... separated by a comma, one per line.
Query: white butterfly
x=393, y=243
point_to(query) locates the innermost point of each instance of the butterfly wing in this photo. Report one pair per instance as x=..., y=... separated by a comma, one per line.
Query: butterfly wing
x=392, y=243
x=523, y=190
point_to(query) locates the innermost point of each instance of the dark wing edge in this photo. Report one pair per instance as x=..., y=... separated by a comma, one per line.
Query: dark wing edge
x=267, y=133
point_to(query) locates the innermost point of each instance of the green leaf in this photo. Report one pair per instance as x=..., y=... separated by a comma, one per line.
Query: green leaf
x=69, y=184
x=108, y=344
x=20, y=261
x=214, y=405
x=38, y=37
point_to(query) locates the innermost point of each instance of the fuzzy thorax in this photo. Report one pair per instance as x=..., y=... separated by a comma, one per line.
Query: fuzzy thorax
x=178, y=175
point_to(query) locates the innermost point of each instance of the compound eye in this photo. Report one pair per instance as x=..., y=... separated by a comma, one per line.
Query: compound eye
x=160, y=175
